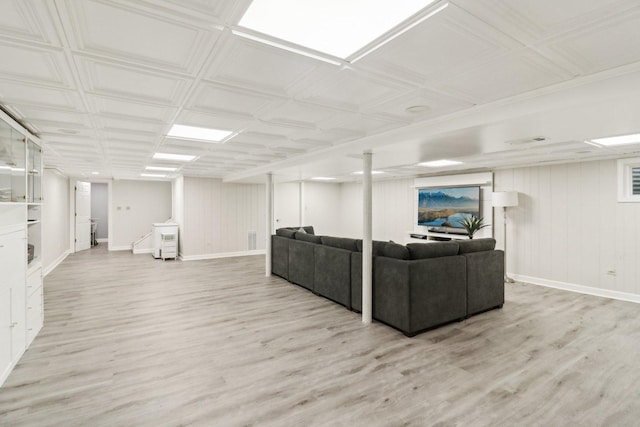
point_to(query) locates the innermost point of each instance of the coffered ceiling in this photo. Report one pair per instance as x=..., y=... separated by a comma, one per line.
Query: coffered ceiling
x=102, y=81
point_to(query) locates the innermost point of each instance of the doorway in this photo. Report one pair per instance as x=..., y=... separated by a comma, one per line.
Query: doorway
x=99, y=213
x=90, y=219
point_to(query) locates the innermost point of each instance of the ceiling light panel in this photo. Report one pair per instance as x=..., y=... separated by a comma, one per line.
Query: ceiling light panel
x=618, y=140
x=198, y=134
x=334, y=27
x=439, y=163
x=176, y=157
x=161, y=168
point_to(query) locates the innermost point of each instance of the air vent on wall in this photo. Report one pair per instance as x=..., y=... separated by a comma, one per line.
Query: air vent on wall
x=524, y=141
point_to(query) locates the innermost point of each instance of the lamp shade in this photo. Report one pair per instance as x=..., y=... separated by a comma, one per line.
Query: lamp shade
x=504, y=198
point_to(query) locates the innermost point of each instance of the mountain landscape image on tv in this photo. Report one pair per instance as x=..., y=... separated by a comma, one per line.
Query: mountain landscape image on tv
x=444, y=207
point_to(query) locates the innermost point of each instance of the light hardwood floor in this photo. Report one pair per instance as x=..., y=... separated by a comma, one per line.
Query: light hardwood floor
x=133, y=341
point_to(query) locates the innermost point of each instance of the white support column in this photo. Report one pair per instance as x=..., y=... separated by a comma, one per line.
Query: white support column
x=367, y=264
x=269, y=225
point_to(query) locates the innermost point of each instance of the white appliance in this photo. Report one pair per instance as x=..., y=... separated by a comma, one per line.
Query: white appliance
x=158, y=230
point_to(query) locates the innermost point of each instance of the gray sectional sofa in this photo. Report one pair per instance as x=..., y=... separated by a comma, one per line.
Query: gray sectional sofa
x=415, y=287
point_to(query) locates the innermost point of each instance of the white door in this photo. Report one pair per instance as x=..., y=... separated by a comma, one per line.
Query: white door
x=83, y=215
x=286, y=204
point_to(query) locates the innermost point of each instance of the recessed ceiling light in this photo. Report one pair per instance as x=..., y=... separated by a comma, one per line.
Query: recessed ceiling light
x=198, y=134
x=372, y=173
x=95, y=173
x=618, y=140
x=339, y=28
x=176, y=157
x=439, y=163
x=153, y=175
x=322, y=178
x=161, y=168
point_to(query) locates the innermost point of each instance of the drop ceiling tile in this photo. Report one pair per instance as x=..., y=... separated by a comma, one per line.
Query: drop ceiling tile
x=28, y=20
x=109, y=79
x=364, y=125
x=219, y=99
x=118, y=124
x=503, y=77
x=64, y=118
x=119, y=108
x=12, y=93
x=422, y=55
x=434, y=104
x=599, y=47
x=214, y=121
x=280, y=70
x=351, y=90
x=532, y=20
x=33, y=65
x=300, y=114
x=117, y=31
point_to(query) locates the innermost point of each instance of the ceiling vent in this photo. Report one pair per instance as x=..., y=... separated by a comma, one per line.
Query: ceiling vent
x=526, y=141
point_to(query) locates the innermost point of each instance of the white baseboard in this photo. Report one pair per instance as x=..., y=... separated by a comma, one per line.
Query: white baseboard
x=120, y=248
x=221, y=255
x=142, y=251
x=55, y=263
x=105, y=240
x=598, y=292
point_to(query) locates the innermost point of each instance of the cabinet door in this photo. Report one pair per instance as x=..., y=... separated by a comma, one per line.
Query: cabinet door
x=13, y=265
x=34, y=172
x=5, y=332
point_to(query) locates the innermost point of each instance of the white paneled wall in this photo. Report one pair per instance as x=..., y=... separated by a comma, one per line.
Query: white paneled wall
x=569, y=231
x=219, y=217
x=320, y=201
x=393, y=203
x=55, y=219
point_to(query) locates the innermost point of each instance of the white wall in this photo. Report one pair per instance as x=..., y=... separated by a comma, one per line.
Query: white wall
x=55, y=219
x=218, y=217
x=135, y=206
x=100, y=208
x=319, y=207
x=569, y=231
x=177, y=212
x=393, y=208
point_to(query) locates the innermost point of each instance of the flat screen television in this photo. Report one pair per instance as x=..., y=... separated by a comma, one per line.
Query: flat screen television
x=442, y=208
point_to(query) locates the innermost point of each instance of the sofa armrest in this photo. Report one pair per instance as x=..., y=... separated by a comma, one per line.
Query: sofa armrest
x=280, y=256
x=417, y=295
x=485, y=281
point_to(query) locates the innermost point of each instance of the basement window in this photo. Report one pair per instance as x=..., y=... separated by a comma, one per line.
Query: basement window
x=629, y=180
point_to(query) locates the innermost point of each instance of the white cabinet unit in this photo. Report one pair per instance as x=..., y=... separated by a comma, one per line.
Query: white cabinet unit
x=21, y=303
x=169, y=229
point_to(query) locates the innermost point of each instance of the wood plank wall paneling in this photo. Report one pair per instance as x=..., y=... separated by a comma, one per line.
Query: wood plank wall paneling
x=219, y=216
x=393, y=202
x=570, y=228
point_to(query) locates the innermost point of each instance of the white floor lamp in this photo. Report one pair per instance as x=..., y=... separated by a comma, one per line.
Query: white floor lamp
x=504, y=200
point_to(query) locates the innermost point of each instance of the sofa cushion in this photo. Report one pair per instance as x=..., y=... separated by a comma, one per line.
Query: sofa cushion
x=311, y=238
x=307, y=228
x=340, y=242
x=395, y=250
x=476, y=245
x=432, y=250
x=377, y=248
x=285, y=232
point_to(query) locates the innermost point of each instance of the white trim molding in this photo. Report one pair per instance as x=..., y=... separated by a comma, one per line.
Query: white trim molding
x=598, y=292
x=222, y=255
